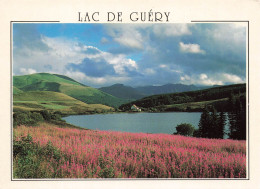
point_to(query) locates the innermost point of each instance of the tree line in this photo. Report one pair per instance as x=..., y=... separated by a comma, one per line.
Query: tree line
x=212, y=123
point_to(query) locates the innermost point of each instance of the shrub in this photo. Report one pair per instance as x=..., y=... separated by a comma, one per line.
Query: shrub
x=185, y=129
x=46, y=115
x=196, y=133
x=34, y=161
x=56, y=117
x=36, y=116
x=21, y=118
x=26, y=118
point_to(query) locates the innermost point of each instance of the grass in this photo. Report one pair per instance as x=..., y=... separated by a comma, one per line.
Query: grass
x=54, y=101
x=90, y=95
x=49, y=151
x=25, y=80
x=42, y=96
x=16, y=90
x=193, y=106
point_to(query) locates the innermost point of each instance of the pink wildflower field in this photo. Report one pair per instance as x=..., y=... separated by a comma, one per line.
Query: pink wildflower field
x=110, y=154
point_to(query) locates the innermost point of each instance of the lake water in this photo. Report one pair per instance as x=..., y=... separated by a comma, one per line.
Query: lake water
x=136, y=122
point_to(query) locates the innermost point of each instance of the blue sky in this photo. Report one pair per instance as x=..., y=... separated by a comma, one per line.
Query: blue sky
x=133, y=54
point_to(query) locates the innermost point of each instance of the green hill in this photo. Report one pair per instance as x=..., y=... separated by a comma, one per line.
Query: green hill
x=26, y=80
x=122, y=91
x=53, y=101
x=91, y=95
x=16, y=90
x=189, y=101
x=65, y=85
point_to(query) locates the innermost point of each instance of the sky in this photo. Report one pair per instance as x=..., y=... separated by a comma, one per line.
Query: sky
x=133, y=54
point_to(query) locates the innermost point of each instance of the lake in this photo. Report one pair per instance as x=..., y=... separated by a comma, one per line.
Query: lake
x=136, y=122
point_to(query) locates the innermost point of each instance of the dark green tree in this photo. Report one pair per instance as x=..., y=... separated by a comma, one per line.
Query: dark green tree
x=204, y=123
x=213, y=124
x=221, y=125
x=185, y=129
x=237, y=117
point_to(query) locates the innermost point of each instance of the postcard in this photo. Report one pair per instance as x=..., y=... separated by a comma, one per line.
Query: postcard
x=109, y=94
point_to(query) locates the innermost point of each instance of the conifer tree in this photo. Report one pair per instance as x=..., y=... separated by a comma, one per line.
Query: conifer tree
x=214, y=124
x=237, y=117
x=221, y=125
x=204, y=123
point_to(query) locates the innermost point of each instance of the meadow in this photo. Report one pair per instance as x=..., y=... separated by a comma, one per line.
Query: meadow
x=54, y=101
x=49, y=151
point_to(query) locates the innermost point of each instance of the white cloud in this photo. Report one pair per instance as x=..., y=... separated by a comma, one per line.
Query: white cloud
x=169, y=69
x=210, y=81
x=63, y=52
x=149, y=71
x=213, y=79
x=203, y=76
x=27, y=71
x=127, y=35
x=170, y=30
x=130, y=41
x=191, y=48
x=185, y=78
x=163, y=66
x=229, y=34
x=119, y=62
x=232, y=78
x=97, y=81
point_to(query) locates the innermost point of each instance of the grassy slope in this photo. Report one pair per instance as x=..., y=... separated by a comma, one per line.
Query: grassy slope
x=90, y=95
x=53, y=101
x=25, y=80
x=16, y=90
x=66, y=85
x=192, y=106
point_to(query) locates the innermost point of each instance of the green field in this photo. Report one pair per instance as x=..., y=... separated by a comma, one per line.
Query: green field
x=192, y=106
x=54, y=101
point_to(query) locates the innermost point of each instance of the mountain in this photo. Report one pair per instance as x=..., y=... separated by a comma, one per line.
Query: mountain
x=168, y=88
x=135, y=93
x=40, y=79
x=189, y=101
x=65, y=85
x=122, y=91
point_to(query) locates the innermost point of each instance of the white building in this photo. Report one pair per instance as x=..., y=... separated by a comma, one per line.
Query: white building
x=134, y=108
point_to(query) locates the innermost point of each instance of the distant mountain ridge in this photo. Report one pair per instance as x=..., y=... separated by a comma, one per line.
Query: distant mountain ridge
x=135, y=93
x=122, y=91
x=168, y=88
